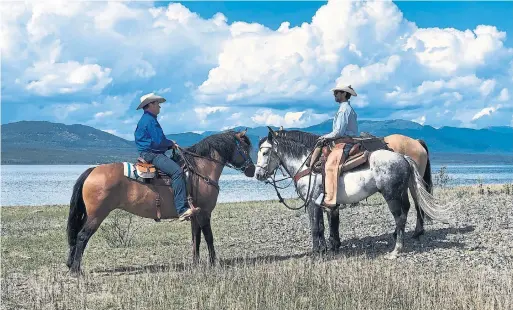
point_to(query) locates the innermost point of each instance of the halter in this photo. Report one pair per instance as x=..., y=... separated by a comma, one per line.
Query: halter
x=273, y=178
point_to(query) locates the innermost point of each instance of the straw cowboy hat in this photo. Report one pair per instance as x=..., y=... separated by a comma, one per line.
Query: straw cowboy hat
x=149, y=98
x=347, y=89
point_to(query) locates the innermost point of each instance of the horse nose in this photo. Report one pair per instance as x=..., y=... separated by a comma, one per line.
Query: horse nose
x=259, y=174
x=250, y=171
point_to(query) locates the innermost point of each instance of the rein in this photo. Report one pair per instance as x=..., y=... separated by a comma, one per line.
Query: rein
x=294, y=179
x=208, y=180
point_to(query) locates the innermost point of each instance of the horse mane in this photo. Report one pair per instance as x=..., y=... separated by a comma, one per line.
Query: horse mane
x=223, y=143
x=294, y=142
x=303, y=137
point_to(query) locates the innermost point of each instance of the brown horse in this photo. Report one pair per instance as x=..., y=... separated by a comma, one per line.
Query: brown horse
x=102, y=189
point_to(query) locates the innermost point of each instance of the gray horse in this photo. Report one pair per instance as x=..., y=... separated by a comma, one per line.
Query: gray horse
x=386, y=172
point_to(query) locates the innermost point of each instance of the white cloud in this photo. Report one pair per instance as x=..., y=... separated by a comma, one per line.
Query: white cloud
x=485, y=112
x=288, y=119
x=65, y=50
x=504, y=95
x=360, y=77
x=421, y=120
x=103, y=114
x=448, y=50
x=163, y=90
x=487, y=87
x=64, y=78
x=203, y=112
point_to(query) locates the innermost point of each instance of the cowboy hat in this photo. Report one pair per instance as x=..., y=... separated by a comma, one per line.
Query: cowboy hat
x=149, y=98
x=347, y=89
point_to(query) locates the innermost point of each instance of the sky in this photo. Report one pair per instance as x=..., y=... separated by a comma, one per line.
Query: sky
x=227, y=64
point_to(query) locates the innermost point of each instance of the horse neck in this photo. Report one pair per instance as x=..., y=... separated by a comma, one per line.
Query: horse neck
x=210, y=168
x=292, y=163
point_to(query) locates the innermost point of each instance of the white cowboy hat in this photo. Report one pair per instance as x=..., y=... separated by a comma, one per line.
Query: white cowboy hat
x=149, y=98
x=347, y=89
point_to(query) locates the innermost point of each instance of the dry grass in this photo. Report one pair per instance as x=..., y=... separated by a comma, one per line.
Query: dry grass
x=265, y=262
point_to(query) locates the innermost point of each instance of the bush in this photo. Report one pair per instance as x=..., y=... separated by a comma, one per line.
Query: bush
x=480, y=185
x=442, y=178
x=119, y=229
x=507, y=188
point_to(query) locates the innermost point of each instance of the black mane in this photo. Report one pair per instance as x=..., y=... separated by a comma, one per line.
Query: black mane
x=223, y=143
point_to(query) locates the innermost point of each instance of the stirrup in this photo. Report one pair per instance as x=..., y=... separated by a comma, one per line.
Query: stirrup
x=329, y=207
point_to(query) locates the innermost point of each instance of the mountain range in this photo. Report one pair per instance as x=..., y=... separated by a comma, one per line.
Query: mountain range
x=41, y=142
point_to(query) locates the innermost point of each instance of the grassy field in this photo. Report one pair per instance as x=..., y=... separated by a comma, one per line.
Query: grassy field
x=265, y=261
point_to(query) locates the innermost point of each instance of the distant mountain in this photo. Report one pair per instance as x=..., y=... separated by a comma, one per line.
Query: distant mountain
x=34, y=142
x=37, y=142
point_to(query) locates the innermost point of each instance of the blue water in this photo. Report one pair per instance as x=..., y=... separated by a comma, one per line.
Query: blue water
x=48, y=185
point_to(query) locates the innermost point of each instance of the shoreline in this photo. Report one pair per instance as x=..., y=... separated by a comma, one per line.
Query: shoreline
x=495, y=187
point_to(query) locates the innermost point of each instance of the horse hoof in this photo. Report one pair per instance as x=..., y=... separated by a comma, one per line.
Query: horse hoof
x=391, y=256
x=335, y=248
x=76, y=273
x=319, y=251
x=417, y=234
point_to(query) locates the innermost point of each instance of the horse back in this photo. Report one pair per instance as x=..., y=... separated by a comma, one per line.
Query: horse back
x=408, y=146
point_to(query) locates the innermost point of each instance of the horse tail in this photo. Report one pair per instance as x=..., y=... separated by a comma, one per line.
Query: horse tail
x=427, y=173
x=423, y=198
x=77, y=211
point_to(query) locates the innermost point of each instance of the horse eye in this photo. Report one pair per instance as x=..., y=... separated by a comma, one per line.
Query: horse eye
x=265, y=153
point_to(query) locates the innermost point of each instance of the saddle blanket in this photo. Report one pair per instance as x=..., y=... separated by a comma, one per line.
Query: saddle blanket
x=130, y=171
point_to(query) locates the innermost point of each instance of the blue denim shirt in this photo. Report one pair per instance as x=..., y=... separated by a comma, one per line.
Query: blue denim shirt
x=149, y=136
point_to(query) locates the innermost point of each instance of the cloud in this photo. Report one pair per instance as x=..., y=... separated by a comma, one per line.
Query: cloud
x=64, y=78
x=447, y=51
x=203, y=112
x=103, y=114
x=288, y=119
x=86, y=59
x=377, y=72
x=421, y=120
x=485, y=112
x=504, y=95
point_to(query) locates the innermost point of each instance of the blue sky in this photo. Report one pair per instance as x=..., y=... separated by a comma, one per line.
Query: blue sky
x=224, y=64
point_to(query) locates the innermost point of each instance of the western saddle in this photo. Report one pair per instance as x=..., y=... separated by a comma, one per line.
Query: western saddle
x=149, y=174
x=359, y=154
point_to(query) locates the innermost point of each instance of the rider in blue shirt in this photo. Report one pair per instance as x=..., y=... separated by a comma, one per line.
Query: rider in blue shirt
x=152, y=145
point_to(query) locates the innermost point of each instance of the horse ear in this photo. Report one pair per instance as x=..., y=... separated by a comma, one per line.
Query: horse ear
x=271, y=131
x=243, y=133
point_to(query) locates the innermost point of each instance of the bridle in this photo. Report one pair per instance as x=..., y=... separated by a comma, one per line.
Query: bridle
x=188, y=165
x=280, y=165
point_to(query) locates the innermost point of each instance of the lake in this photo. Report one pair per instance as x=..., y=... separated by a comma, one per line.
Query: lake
x=48, y=185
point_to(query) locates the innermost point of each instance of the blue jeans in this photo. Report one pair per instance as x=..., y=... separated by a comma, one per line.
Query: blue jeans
x=169, y=167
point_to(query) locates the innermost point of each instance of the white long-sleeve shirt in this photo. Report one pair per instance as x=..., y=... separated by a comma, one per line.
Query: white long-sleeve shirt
x=344, y=123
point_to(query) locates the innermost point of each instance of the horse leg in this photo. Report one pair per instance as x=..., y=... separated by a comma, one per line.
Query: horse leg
x=209, y=238
x=89, y=228
x=398, y=208
x=196, y=239
x=334, y=222
x=320, y=218
x=314, y=226
x=419, y=227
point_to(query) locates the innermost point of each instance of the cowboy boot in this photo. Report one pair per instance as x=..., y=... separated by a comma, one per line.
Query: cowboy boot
x=191, y=212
